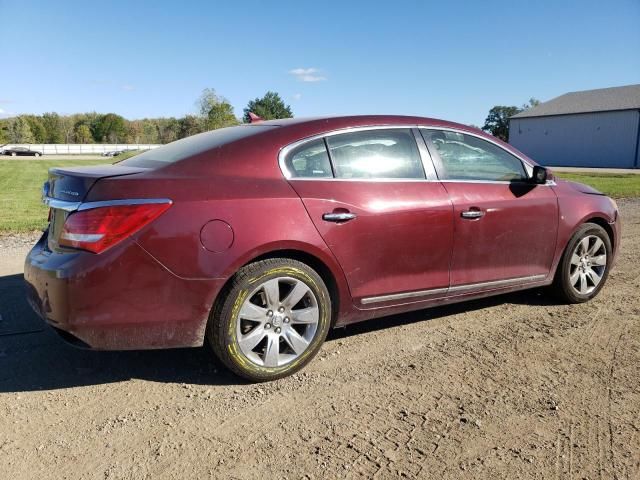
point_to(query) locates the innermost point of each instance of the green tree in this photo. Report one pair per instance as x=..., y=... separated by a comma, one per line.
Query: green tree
x=53, y=128
x=497, y=122
x=37, y=128
x=108, y=128
x=269, y=107
x=189, y=125
x=82, y=133
x=215, y=111
x=20, y=131
x=168, y=130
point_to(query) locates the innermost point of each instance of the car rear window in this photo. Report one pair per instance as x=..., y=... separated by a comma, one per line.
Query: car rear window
x=190, y=146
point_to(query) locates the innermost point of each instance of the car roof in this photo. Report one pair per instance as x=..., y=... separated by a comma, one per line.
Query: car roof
x=363, y=121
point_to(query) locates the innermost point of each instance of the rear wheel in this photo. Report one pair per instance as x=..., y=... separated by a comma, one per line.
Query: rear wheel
x=271, y=320
x=584, y=266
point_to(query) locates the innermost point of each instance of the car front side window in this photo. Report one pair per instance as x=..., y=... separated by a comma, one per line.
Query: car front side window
x=376, y=154
x=467, y=157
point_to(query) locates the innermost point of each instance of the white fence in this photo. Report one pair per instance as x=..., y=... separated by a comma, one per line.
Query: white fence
x=80, y=149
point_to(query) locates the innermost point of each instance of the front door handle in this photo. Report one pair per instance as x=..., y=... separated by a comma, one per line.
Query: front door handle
x=338, y=216
x=472, y=213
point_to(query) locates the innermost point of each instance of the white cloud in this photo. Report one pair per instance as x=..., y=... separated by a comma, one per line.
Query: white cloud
x=128, y=88
x=297, y=96
x=1, y=111
x=307, y=74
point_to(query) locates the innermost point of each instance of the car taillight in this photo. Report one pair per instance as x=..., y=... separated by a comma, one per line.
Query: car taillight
x=100, y=228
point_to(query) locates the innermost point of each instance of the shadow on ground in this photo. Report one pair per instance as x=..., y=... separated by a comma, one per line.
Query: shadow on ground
x=33, y=357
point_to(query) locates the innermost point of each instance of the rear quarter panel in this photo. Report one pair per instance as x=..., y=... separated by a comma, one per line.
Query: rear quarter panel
x=265, y=214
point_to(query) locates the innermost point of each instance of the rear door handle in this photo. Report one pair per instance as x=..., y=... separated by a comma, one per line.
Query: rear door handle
x=472, y=213
x=338, y=216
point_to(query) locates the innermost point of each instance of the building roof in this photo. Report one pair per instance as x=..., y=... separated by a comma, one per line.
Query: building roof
x=600, y=100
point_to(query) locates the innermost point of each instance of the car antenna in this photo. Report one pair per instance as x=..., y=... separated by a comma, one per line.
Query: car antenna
x=253, y=118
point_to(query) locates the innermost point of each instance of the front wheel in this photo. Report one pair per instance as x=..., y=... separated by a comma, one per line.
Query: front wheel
x=36, y=154
x=271, y=320
x=584, y=266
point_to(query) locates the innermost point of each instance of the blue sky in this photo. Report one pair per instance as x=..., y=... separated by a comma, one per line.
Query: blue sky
x=444, y=59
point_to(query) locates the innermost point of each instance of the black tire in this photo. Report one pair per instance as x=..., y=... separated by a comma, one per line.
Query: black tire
x=222, y=327
x=562, y=287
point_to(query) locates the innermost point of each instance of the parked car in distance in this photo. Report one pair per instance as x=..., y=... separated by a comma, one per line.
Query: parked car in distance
x=113, y=153
x=21, y=151
x=260, y=238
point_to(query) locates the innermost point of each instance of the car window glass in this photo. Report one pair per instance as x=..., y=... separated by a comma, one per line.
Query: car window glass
x=194, y=145
x=309, y=160
x=379, y=153
x=466, y=157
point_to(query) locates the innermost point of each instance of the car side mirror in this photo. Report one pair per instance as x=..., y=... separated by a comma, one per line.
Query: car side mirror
x=539, y=176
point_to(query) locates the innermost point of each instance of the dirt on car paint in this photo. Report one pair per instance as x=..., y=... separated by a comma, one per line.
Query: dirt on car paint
x=515, y=386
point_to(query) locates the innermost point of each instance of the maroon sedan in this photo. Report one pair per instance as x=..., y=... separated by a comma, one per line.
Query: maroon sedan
x=260, y=238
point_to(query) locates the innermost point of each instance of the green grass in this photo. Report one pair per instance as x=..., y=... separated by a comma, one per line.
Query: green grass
x=21, y=208
x=614, y=185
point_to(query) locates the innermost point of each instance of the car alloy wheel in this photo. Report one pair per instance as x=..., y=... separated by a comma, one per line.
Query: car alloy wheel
x=277, y=321
x=584, y=266
x=588, y=264
x=271, y=319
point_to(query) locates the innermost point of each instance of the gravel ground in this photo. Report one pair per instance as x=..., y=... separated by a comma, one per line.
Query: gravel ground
x=510, y=387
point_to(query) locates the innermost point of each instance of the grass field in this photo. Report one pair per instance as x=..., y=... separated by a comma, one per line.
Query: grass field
x=21, y=182
x=21, y=208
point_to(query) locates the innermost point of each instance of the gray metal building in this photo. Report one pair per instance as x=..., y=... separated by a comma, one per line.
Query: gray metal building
x=592, y=128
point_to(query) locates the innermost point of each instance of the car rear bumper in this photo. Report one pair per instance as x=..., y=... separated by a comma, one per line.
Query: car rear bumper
x=121, y=299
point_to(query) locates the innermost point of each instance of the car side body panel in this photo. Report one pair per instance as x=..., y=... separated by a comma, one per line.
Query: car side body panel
x=157, y=288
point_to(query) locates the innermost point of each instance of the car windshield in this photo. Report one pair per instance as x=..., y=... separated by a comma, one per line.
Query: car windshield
x=188, y=147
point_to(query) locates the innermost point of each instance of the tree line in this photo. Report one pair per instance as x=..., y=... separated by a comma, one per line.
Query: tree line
x=213, y=111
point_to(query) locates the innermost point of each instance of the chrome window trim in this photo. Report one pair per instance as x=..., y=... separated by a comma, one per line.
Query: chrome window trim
x=81, y=206
x=455, y=289
x=284, y=151
x=427, y=160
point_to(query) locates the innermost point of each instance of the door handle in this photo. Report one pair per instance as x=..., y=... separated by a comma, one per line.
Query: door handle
x=472, y=214
x=338, y=216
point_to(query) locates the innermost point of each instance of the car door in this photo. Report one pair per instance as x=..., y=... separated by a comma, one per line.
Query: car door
x=388, y=225
x=505, y=227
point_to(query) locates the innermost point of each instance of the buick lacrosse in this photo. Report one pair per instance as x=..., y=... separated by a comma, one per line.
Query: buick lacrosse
x=260, y=238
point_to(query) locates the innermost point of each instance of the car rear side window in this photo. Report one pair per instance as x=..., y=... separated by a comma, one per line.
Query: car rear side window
x=309, y=160
x=467, y=157
x=376, y=154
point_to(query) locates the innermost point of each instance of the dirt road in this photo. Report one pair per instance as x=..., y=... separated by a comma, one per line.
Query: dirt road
x=510, y=387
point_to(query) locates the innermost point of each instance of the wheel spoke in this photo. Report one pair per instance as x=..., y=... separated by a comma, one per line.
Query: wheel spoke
x=573, y=279
x=584, y=245
x=295, y=295
x=593, y=275
x=253, y=312
x=583, y=283
x=595, y=247
x=272, y=292
x=249, y=341
x=600, y=260
x=272, y=352
x=296, y=341
x=305, y=315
